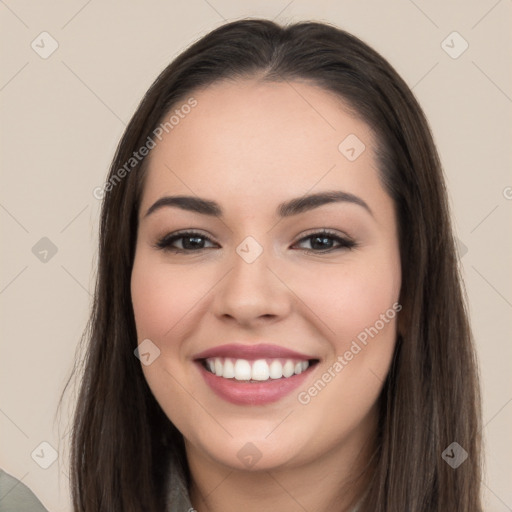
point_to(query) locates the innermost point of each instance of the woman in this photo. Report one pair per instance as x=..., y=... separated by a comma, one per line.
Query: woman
x=278, y=320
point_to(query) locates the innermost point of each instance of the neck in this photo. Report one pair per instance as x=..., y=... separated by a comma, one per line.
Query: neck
x=335, y=480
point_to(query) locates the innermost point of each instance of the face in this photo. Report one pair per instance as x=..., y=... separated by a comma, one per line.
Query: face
x=274, y=313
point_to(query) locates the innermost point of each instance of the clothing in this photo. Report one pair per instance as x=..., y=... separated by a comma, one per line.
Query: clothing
x=15, y=496
x=177, y=499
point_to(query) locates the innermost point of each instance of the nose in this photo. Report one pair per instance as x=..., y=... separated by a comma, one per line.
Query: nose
x=252, y=293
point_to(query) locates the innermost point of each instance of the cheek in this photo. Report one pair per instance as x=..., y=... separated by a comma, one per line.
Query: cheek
x=360, y=309
x=162, y=298
x=366, y=301
x=353, y=296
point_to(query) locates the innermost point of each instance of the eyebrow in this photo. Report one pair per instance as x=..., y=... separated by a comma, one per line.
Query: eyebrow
x=286, y=209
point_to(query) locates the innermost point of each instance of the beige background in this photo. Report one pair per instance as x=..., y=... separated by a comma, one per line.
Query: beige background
x=62, y=117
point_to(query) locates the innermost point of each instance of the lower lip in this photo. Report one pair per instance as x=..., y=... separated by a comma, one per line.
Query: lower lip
x=252, y=393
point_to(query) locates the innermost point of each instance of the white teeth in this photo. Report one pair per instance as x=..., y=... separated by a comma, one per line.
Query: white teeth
x=242, y=369
x=276, y=370
x=259, y=370
x=229, y=369
x=288, y=369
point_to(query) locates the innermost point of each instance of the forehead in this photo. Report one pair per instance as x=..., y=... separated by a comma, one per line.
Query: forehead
x=262, y=141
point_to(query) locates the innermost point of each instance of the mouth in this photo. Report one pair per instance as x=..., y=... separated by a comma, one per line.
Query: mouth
x=259, y=370
x=253, y=374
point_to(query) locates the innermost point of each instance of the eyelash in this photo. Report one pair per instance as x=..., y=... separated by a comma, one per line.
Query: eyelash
x=165, y=242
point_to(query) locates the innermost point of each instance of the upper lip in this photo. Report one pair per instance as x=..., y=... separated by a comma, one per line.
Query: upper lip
x=251, y=352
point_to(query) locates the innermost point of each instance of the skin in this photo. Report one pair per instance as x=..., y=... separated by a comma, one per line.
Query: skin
x=249, y=146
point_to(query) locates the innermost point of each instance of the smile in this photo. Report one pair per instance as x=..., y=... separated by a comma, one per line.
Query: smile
x=259, y=370
x=253, y=374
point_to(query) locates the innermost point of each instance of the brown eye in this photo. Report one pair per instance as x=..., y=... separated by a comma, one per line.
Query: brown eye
x=326, y=241
x=189, y=241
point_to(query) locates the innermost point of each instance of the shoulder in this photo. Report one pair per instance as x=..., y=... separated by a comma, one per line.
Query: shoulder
x=15, y=496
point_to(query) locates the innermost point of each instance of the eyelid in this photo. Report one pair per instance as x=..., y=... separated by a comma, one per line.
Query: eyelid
x=190, y=231
x=324, y=231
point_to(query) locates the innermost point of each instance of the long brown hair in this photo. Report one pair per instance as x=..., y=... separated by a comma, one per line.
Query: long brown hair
x=121, y=439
